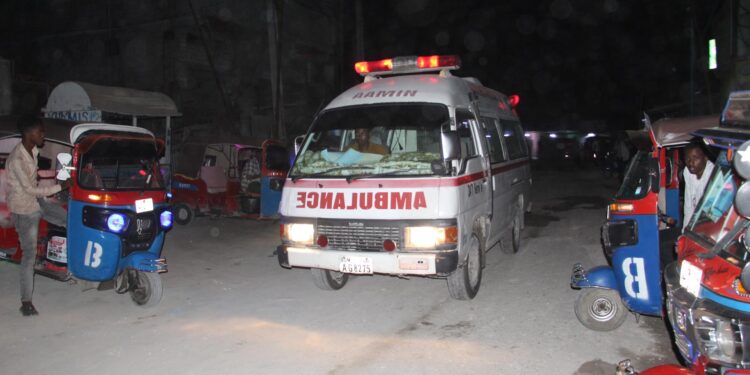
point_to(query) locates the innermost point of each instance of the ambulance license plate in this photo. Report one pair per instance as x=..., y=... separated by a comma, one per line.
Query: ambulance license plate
x=144, y=205
x=357, y=265
x=690, y=278
x=57, y=249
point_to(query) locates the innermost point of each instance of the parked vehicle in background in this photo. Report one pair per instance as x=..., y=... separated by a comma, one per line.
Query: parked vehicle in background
x=708, y=302
x=413, y=174
x=233, y=180
x=643, y=223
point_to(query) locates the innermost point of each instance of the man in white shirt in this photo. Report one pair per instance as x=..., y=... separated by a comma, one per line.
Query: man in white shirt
x=23, y=194
x=697, y=172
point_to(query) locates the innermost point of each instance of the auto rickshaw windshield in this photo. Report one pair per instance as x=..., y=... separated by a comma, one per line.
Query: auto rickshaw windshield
x=714, y=217
x=277, y=158
x=636, y=183
x=120, y=164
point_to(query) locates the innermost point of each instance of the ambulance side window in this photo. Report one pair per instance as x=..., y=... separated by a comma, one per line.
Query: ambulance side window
x=493, y=140
x=514, y=139
x=464, y=119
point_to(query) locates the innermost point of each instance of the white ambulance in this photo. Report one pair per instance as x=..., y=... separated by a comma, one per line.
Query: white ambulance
x=412, y=172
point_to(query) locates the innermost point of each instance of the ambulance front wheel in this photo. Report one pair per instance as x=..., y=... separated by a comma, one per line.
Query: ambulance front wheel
x=147, y=290
x=183, y=214
x=329, y=280
x=464, y=282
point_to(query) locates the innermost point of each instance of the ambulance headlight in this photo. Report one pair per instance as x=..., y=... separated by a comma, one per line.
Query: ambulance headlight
x=299, y=233
x=429, y=237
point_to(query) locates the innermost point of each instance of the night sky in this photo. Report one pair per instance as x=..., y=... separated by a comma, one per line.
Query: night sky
x=572, y=62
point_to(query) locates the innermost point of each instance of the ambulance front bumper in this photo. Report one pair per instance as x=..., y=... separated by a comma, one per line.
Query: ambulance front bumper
x=439, y=263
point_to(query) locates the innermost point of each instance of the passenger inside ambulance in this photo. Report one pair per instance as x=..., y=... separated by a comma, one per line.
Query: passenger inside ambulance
x=362, y=143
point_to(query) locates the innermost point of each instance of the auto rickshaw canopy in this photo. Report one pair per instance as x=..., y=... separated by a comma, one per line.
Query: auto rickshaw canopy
x=81, y=101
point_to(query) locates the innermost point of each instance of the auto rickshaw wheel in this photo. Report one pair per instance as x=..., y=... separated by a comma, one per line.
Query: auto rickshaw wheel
x=600, y=309
x=329, y=280
x=183, y=214
x=147, y=289
x=463, y=283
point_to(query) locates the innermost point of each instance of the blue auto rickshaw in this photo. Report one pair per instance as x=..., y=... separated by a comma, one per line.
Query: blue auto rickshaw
x=118, y=211
x=643, y=224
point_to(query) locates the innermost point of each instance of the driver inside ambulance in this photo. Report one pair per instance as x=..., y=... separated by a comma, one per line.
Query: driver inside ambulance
x=362, y=143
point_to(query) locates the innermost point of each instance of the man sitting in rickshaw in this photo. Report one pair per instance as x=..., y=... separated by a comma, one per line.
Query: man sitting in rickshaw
x=696, y=174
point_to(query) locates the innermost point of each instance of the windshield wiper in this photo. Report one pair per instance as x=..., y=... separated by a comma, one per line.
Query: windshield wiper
x=397, y=172
x=325, y=172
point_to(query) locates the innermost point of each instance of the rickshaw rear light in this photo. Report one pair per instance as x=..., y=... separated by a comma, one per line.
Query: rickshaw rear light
x=621, y=207
x=166, y=219
x=116, y=222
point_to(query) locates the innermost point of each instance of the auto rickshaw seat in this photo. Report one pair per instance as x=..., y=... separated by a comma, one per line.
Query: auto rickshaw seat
x=215, y=179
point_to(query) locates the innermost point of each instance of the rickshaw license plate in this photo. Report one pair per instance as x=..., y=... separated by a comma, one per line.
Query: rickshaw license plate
x=57, y=249
x=358, y=265
x=690, y=278
x=144, y=205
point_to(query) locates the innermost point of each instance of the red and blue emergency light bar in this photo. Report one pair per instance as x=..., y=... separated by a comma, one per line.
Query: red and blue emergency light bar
x=408, y=64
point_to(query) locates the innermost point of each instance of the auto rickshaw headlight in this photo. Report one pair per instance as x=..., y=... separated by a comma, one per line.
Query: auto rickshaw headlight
x=166, y=219
x=301, y=233
x=116, y=222
x=718, y=338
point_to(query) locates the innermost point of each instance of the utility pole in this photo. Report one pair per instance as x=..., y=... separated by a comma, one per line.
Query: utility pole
x=210, y=57
x=274, y=16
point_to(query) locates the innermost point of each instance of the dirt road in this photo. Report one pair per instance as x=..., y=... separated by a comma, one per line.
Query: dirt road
x=228, y=308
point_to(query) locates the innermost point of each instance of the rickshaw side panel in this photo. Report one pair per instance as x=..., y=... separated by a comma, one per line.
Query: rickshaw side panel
x=93, y=254
x=637, y=267
x=270, y=198
x=673, y=206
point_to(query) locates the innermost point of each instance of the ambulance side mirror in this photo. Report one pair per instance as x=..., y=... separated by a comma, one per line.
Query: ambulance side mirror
x=298, y=143
x=451, y=145
x=64, y=159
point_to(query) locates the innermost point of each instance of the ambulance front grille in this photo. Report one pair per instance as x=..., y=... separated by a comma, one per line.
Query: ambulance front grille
x=359, y=236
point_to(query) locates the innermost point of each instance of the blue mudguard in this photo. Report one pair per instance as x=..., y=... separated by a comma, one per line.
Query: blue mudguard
x=597, y=277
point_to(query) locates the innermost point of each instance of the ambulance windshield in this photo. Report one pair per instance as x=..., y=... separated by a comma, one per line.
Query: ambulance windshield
x=390, y=140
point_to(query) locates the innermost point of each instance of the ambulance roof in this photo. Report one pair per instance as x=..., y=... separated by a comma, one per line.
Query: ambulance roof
x=419, y=88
